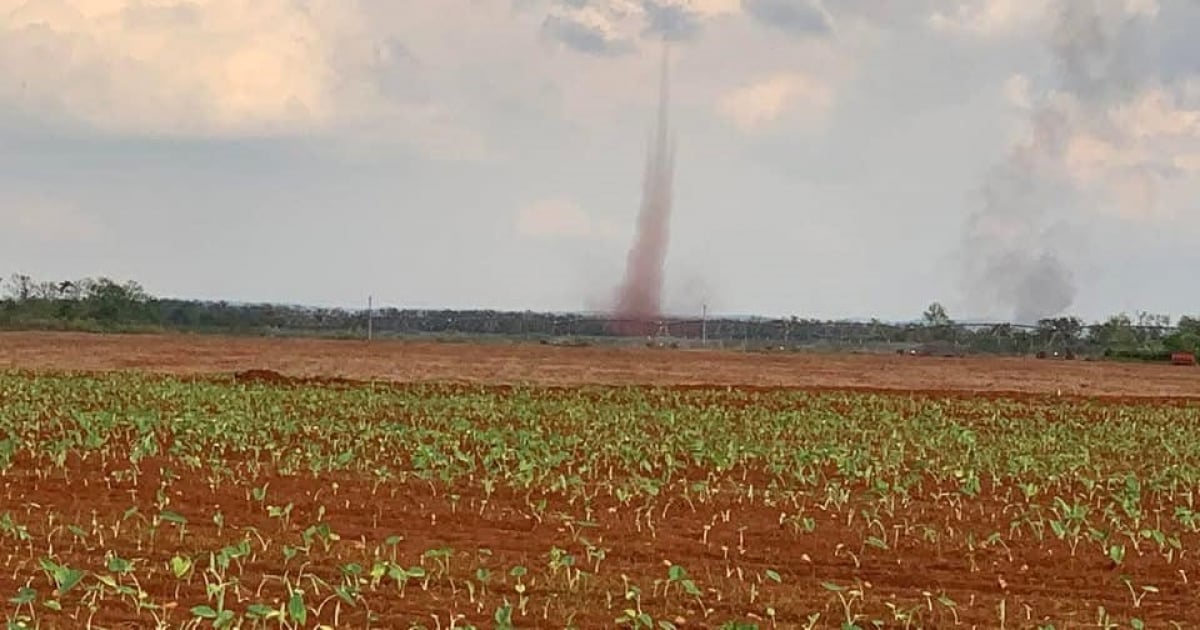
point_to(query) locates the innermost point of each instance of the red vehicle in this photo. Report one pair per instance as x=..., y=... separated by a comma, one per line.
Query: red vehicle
x=1183, y=358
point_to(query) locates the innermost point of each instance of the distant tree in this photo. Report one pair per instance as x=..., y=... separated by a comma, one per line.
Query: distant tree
x=937, y=325
x=1189, y=324
x=1182, y=342
x=1060, y=333
x=1067, y=327
x=936, y=315
x=1153, y=320
x=1186, y=337
x=20, y=287
x=1115, y=334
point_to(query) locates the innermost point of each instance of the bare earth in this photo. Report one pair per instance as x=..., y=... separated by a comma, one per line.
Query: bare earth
x=1031, y=580
x=530, y=363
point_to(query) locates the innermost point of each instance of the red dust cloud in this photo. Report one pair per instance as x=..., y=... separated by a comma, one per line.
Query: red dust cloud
x=639, y=300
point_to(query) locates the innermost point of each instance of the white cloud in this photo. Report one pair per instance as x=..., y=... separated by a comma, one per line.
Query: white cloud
x=169, y=67
x=218, y=68
x=712, y=7
x=1142, y=7
x=1133, y=149
x=1157, y=114
x=762, y=102
x=49, y=223
x=987, y=17
x=1017, y=92
x=558, y=218
x=997, y=18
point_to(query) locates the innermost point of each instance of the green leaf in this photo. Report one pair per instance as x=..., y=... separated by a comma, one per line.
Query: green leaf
x=53, y=604
x=24, y=596
x=204, y=612
x=774, y=576
x=117, y=564
x=261, y=611
x=67, y=579
x=503, y=617
x=830, y=586
x=172, y=517
x=1116, y=553
x=180, y=566
x=224, y=619
x=378, y=570
x=296, y=608
x=347, y=594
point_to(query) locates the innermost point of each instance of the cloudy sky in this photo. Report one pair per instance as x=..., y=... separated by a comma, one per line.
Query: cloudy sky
x=844, y=158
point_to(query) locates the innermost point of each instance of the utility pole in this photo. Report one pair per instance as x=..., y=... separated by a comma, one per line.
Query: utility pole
x=704, y=325
x=370, y=317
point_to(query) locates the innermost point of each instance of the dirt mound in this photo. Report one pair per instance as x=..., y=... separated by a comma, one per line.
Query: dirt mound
x=265, y=377
x=273, y=378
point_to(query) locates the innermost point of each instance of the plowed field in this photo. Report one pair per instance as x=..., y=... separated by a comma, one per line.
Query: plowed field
x=499, y=363
x=215, y=482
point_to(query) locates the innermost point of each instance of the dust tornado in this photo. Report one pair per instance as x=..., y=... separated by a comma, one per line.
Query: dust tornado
x=639, y=299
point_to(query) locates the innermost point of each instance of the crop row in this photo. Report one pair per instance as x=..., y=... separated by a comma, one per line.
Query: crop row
x=224, y=504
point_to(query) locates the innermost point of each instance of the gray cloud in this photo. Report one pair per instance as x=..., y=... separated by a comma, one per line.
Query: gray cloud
x=798, y=17
x=1176, y=47
x=669, y=21
x=1100, y=57
x=583, y=38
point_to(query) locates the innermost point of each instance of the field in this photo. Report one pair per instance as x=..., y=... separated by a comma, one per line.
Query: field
x=197, y=482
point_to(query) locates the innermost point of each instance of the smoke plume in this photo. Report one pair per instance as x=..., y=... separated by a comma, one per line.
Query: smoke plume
x=1015, y=259
x=639, y=299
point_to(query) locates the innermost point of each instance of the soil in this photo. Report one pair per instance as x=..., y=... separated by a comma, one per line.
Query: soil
x=500, y=363
x=727, y=546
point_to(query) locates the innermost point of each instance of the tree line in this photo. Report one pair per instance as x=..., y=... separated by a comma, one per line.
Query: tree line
x=102, y=304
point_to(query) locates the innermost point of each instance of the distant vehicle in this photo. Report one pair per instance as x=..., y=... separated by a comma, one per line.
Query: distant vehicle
x=1183, y=358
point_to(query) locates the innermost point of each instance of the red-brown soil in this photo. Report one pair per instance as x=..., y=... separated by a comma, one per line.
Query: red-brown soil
x=495, y=363
x=726, y=545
